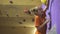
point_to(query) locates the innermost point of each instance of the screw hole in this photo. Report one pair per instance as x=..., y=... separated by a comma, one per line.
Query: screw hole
x=20, y=23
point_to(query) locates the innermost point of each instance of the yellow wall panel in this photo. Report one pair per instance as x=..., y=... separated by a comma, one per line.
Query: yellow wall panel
x=21, y=2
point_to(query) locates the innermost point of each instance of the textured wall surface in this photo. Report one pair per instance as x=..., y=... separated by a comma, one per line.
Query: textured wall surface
x=12, y=18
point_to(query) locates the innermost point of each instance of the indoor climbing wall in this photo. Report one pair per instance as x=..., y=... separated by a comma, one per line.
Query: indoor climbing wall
x=20, y=2
x=13, y=9
x=13, y=20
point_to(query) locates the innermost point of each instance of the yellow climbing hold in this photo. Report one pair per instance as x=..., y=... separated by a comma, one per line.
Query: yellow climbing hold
x=43, y=1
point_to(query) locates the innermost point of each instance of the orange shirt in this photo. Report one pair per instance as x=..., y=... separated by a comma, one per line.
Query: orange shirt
x=38, y=20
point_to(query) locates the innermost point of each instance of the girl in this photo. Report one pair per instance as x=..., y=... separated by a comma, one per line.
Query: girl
x=40, y=16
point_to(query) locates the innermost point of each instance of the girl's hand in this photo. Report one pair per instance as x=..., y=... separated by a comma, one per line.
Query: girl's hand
x=26, y=10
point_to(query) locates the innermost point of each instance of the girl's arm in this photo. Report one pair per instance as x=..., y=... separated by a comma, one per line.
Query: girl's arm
x=47, y=20
x=47, y=6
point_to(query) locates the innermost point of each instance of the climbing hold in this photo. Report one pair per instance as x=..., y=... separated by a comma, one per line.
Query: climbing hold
x=24, y=20
x=44, y=1
x=11, y=2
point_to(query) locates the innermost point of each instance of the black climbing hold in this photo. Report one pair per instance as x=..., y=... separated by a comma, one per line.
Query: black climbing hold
x=11, y=2
x=24, y=20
